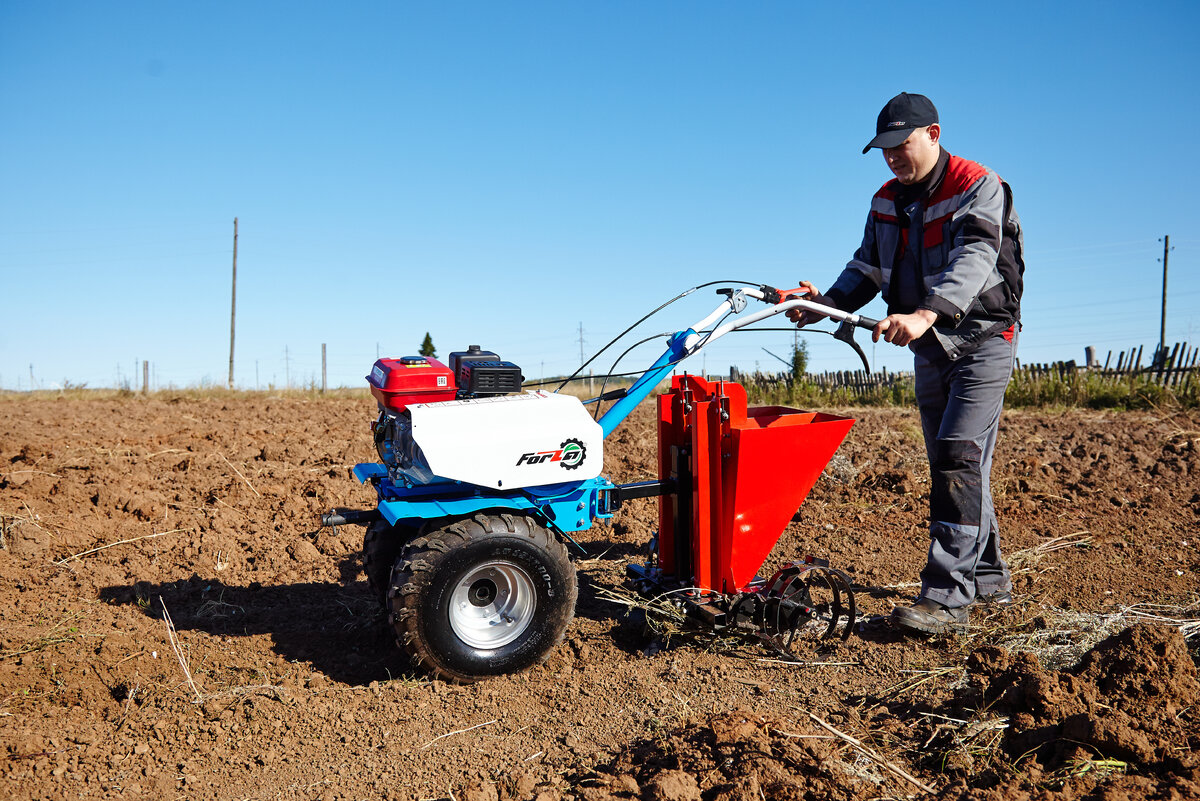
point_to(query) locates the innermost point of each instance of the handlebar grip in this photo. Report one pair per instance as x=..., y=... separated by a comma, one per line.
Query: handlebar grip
x=866, y=322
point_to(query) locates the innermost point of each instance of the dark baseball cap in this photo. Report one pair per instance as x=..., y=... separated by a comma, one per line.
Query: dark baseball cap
x=902, y=115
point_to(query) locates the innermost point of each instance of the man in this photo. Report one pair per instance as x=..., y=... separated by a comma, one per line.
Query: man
x=944, y=247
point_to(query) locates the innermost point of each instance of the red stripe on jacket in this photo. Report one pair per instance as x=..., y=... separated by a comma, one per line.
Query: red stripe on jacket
x=960, y=175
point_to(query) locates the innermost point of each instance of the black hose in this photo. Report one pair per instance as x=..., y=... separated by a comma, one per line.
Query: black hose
x=676, y=361
x=615, y=339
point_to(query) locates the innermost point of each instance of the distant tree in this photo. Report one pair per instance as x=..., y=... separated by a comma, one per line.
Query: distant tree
x=427, y=348
x=799, y=359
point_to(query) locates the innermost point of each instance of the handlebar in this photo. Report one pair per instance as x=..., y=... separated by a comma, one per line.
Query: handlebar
x=685, y=343
x=770, y=294
x=781, y=302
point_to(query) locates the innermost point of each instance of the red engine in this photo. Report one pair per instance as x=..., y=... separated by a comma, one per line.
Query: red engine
x=396, y=383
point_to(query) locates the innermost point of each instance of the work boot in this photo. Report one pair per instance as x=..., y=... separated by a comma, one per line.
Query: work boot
x=930, y=617
x=997, y=598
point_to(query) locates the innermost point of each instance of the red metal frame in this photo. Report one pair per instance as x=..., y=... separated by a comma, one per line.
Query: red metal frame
x=746, y=472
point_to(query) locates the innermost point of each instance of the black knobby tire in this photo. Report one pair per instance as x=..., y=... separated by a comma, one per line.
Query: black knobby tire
x=483, y=596
x=382, y=545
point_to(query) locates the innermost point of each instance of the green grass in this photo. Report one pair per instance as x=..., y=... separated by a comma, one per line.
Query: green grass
x=1052, y=389
x=1077, y=389
x=1097, y=391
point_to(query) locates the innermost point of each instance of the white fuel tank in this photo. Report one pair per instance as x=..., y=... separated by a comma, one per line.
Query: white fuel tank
x=510, y=441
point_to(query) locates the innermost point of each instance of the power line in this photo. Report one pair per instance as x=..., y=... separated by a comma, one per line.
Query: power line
x=1096, y=246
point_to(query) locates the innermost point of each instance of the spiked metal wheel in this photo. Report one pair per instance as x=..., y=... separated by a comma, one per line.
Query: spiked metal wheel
x=807, y=600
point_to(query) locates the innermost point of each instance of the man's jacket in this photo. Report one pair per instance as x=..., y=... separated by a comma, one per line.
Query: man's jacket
x=955, y=249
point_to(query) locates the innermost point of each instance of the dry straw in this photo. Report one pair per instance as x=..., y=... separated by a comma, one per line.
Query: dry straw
x=175, y=646
x=76, y=556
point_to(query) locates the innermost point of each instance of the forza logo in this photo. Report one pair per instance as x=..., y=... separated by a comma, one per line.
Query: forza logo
x=570, y=455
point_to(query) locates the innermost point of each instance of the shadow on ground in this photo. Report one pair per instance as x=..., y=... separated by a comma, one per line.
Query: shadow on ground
x=339, y=629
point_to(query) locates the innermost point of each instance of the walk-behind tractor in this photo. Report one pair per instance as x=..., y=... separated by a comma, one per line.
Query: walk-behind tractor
x=481, y=485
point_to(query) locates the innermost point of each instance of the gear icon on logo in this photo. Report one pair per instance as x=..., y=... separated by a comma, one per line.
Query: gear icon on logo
x=574, y=452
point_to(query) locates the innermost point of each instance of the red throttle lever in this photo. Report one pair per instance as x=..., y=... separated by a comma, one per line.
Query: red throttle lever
x=777, y=296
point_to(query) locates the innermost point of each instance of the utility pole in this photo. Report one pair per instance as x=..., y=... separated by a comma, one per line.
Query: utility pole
x=1162, y=325
x=233, y=302
x=322, y=368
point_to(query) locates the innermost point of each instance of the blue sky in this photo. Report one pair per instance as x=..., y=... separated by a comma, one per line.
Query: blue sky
x=505, y=173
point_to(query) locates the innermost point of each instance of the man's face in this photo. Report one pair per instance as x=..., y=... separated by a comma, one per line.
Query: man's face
x=915, y=157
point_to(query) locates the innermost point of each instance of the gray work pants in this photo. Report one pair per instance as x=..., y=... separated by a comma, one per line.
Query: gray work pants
x=960, y=403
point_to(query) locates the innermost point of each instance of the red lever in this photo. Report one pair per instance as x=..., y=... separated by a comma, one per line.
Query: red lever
x=777, y=296
x=787, y=293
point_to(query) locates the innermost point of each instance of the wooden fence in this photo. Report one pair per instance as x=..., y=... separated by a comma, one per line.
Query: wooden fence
x=1176, y=367
x=857, y=382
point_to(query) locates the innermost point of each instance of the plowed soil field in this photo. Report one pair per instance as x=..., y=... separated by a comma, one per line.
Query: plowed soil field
x=175, y=625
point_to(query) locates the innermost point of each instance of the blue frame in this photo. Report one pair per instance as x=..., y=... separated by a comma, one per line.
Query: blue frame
x=646, y=384
x=571, y=506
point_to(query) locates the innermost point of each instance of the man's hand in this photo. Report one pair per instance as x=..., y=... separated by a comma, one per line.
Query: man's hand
x=903, y=329
x=803, y=317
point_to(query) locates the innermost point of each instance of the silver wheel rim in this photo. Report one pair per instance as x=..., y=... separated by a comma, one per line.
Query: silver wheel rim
x=492, y=605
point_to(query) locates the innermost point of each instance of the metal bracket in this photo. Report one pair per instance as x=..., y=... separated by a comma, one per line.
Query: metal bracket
x=737, y=299
x=620, y=493
x=538, y=513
